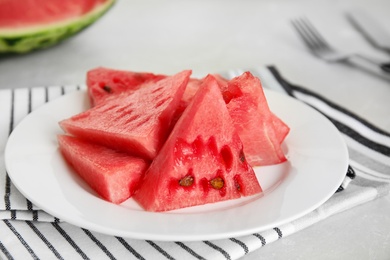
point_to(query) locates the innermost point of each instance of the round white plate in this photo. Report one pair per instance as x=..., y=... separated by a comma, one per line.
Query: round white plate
x=317, y=163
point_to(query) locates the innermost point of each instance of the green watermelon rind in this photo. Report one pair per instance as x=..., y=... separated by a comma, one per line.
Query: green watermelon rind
x=28, y=39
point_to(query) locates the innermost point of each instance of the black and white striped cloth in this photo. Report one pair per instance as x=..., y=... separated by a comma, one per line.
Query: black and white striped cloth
x=26, y=232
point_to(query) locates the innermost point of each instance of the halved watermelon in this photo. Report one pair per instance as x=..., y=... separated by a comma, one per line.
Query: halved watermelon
x=202, y=161
x=138, y=123
x=105, y=83
x=113, y=175
x=259, y=129
x=33, y=24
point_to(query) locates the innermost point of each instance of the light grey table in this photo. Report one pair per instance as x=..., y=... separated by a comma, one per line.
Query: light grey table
x=213, y=36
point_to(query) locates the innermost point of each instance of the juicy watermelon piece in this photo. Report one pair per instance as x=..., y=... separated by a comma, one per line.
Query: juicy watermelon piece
x=201, y=162
x=280, y=127
x=113, y=175
x=189, y=93
x=106, y=83
x=33, y=24
x=138, y=123
x=261, y=131
x=254, y=121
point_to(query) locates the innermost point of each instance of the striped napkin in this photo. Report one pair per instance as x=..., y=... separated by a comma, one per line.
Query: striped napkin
x=28, y=232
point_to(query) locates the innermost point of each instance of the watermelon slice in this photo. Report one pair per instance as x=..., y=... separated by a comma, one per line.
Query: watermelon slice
x=105, y=83
x=202, y=161
x=113, y=175
x=254, y=121
x=33, y=24
x=261, y=131
x=138, y=123
x=191, y=88
x=280, y=127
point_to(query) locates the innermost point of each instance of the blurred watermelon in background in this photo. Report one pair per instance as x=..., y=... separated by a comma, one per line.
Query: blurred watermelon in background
x=35, y=24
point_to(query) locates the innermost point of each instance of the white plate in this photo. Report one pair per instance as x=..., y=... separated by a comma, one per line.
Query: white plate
x=317, y=163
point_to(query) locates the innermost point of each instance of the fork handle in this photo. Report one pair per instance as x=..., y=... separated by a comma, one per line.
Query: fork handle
x=369, y=65
x=385, y=67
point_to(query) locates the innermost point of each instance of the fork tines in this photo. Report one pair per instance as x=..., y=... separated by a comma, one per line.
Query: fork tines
x=309, y=34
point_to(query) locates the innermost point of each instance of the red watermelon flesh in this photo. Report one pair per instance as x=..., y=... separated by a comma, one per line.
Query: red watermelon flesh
x=14, y=14
x=280, y=127
x=254, y=121
x=105, y=83
x=113, y=175
x=261, y=131
x=138, y=123
x=191, y=88
x=202, y=160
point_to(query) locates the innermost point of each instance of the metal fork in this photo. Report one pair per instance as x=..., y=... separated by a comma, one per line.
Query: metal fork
x=322, y=49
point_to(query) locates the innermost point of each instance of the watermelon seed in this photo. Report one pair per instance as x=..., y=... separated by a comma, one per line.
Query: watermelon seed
x=237, y=182
x=217, y=183
x=242, y=156
x=107, y=89
x=186, y=181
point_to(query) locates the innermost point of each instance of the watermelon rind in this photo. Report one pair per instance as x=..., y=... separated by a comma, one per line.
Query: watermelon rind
x=23, y=40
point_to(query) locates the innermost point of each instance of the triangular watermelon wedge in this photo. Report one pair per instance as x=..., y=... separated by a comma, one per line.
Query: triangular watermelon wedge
x=104, y=83
x=260, y=130
x=113, y=175
x=232, y=91
x=280, y=127
x=202, y=160
x=138, y=123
